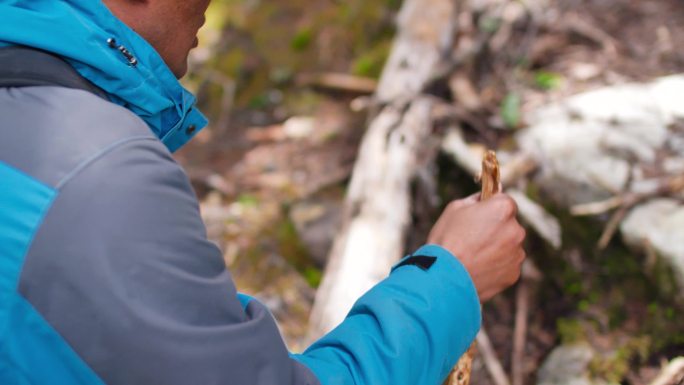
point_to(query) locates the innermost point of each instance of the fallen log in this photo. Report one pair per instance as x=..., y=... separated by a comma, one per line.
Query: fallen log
x=376, y=212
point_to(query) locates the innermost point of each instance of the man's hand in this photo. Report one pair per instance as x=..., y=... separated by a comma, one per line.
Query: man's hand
x=486, y=237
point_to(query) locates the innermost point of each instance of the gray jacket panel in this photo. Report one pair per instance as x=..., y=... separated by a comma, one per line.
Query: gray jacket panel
x=121, y=266
x=51, y=131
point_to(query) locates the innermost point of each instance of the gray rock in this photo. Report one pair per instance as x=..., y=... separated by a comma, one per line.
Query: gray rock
x=567, y=365
x=317, y=221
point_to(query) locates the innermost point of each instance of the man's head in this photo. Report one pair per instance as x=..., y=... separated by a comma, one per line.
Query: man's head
x=170, y=26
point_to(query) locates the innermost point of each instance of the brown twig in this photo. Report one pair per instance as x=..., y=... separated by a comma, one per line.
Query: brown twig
x=624, y=202
x=339, y=82
x=664, y=186
x=517, y=167
x=595, y=208
x=491, y=176
x=492, y=363
x=576, y=24
x=520, y=333
x=530, y=274
x=612, y=227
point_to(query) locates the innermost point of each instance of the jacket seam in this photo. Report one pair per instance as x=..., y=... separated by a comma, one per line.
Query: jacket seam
x=93, y=158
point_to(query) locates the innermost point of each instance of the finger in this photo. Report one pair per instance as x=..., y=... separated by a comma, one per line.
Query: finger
x=520, y=256
x=515, y=234
x=509, y=206
x=472, y=199
x=520, y=234
x=503, y=206
x=464, y=202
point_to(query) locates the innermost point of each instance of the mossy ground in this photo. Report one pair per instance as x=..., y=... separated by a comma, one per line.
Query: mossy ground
x=626, y=308
x=265, y=45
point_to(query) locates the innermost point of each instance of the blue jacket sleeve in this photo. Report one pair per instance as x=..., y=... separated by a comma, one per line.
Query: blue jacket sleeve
x=409, y=329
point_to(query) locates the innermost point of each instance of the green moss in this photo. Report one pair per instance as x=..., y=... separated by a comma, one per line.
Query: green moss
x=295, y=252
x=547, y=80
x=511, y=110
x=583, y=305
x=248, y=200
x=302, y=39
x=570, y=330
x=267, y=43
x=302, y=102
x=313, y=276
x=259, y=102
x=249, y=270
x=663, y=324
x=289, y=244
x=370, y=63
x=489, y=24
x=614, y=367
x=613, y=284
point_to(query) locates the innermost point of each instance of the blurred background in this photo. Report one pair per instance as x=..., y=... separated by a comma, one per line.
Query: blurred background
x=583, y=93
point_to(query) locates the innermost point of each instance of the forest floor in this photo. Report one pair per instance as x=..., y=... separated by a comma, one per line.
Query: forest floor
x=271, y=177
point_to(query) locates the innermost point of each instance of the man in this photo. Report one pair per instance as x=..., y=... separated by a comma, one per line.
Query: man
x=106, y=274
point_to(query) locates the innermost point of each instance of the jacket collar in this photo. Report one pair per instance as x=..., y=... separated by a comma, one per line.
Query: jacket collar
x=81, y=32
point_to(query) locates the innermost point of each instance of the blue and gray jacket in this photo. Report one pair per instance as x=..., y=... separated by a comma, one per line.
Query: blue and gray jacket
x=106, y=273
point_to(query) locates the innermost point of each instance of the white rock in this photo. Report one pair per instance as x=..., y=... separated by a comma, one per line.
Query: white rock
x=575, y=168
x=586, y=143
x=667, y=92
x=299, y=127
x=595, y=145
x=659, y=222
x=674, y=165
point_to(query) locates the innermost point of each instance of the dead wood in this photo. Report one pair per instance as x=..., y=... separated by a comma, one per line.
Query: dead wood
x=672, y=374
x=339, y=82
x=626, y=201
x=377, y=206
x=520, y=333
x=492, y=363
x=530, y=275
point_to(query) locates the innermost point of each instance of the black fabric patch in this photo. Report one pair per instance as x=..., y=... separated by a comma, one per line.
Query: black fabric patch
x=30, y=67
x=423, y=261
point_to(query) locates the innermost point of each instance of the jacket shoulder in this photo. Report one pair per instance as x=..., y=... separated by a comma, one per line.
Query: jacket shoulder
x=49, y=132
